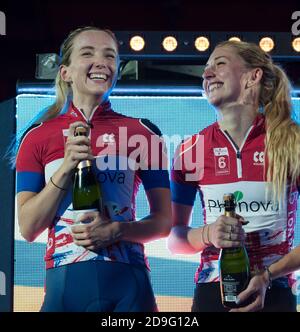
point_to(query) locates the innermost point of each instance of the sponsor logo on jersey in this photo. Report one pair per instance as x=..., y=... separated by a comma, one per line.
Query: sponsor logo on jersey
x=258, y=158
x=109, y=138
x=243, y=205
x=112, y=177
x=222, y=162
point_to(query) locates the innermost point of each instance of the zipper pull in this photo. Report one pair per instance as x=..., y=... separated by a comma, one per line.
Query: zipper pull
x=90, y=124
x=239, y=154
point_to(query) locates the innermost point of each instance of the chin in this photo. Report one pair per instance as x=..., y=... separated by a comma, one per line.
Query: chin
x=215, y=102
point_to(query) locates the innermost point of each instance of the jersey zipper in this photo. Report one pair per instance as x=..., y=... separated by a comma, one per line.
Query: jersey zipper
x=238, y=151
x=89, y=120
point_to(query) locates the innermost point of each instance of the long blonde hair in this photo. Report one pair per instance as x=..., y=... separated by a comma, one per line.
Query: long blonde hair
x=63, y=92
x=62, y=88
x=282, y=144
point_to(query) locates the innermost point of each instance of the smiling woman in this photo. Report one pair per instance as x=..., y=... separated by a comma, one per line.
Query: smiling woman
x=100, y=265
x=79, y=48
x=253, y=152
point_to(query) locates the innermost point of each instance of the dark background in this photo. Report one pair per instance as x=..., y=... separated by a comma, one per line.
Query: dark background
x=40, y=26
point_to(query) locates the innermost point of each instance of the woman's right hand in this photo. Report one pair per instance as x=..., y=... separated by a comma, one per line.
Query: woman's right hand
x=77, y=148
x=227, y=232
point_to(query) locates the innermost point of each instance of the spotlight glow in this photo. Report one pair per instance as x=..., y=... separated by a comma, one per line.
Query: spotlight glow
x=137, y=43
x=296, y=44
x=202, y=44
x=237, y=39
x=170, y=43
x=266, y=44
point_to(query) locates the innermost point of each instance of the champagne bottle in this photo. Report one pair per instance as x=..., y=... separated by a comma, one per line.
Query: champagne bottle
x=86, y=189
x=234, y=264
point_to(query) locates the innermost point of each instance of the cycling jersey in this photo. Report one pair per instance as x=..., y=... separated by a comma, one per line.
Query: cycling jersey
x=123, y=160
x=224, y=168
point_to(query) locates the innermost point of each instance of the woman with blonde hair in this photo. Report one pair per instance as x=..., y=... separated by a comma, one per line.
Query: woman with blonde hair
x=98, y=264
x=253, y=151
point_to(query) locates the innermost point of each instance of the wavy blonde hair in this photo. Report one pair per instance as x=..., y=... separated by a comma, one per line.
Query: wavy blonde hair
x=282, y=143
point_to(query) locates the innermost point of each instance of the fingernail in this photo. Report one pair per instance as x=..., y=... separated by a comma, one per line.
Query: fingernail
x=237, y=301
x=244, y=222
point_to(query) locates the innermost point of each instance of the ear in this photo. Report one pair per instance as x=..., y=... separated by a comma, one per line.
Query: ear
x=65, y=74
x=254, y=77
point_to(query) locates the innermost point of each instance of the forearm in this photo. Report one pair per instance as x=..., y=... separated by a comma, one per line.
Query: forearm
x=187, y=240
x=39, y=212
x=150, y=228
x=289, y=263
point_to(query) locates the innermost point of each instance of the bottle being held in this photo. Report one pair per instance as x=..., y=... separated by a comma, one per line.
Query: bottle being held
x=86, y=190
x=234, y=264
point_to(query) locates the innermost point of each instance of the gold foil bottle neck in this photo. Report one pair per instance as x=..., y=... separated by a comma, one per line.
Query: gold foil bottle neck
x=84, y=163
x=228, y=197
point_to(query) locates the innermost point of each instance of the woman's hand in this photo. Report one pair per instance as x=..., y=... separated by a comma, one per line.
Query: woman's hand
x=97, y=233
x=256, y=291
x=227, y=232
x=76, y=148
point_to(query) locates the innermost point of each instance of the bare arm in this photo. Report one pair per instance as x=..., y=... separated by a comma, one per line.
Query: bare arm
x=36, y=211
x=224, y=232
x=184, y=239
x=287, y=264
x=156, y=225
x=259, y=283
x=101, y=233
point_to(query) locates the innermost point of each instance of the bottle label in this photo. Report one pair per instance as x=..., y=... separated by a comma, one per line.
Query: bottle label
x=231, y=285
x=79, y=213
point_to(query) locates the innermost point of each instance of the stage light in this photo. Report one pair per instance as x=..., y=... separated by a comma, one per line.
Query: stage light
x=169, y=43
x=234, y=39
x=296, y=44
x=137, y=43
x=202, y=44
x=266, y=44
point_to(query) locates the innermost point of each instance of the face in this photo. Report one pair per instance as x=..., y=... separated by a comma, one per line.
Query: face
x=93, y=64
x=224, y=77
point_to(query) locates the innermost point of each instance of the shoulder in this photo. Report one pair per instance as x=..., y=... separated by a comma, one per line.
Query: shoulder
x=140, y=125
x=39, y=132
x=150, y=127
x=32, y=133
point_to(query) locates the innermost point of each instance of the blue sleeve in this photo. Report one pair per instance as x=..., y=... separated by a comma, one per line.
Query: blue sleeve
x=183, y=193
x=30, y=181
x=155, y=179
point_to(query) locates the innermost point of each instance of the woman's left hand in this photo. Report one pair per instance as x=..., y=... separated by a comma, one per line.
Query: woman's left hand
x=96, y=234
x=256, y=291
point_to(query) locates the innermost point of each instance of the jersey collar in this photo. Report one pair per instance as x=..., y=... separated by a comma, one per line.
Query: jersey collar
x=77, y=114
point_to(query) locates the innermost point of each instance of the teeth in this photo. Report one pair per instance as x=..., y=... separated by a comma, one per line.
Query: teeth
x=214, y=86
x=98, y=76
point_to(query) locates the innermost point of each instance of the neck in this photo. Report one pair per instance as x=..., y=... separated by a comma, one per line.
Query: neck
x=87, y=105
x=237, y=121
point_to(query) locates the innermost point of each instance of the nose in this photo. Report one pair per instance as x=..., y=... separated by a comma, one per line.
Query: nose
x=208, y=73
x=100, y=63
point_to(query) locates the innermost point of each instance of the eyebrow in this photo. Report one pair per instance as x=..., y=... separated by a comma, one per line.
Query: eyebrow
x=218, y=57
x=93, y=48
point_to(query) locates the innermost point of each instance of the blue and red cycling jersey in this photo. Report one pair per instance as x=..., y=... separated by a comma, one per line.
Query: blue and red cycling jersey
x=225, y=168
x=124, y=158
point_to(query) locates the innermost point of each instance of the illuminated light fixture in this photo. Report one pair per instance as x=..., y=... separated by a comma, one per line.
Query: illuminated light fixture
x=296, y=44
x=237, y=39
x=137, y=43
x=170, y=43
x=266, y=44
x=202, y=44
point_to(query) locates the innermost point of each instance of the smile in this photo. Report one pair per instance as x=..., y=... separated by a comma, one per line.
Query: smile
x=98, y=76
x=214, y=86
